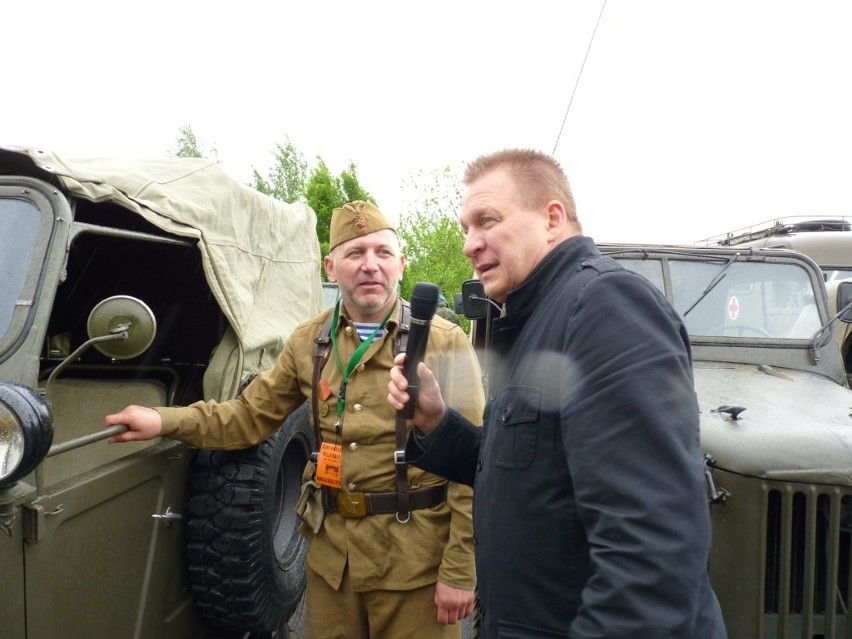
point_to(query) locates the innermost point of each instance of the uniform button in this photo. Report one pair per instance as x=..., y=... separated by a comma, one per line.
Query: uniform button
x=351, y=486
x=360, y=368
x=323, y=409
x=475, y=540
x=478, y=465
x=357, y=408
x=353, y=447
x=348, y=330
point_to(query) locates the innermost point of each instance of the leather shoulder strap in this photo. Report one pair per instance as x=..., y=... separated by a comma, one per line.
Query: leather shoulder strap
x=403, y=514
x=322, y=349
x=401, y=341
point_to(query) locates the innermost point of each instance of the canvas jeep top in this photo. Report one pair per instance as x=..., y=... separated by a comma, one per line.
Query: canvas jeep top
x=156, y=282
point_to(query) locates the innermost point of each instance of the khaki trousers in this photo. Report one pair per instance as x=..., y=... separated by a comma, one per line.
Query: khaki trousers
x=375, y=614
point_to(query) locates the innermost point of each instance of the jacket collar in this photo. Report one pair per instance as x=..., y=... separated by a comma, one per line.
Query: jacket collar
x=521, y=302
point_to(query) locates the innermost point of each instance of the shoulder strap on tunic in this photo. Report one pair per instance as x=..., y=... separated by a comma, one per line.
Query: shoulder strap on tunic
x=322, y=348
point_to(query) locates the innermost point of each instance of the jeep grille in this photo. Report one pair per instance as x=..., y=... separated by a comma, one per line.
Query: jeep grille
x=780, y=558
x=807, y=560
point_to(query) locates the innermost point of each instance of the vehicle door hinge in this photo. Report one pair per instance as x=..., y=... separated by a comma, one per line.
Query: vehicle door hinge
x=33, y=521
x=715, y=495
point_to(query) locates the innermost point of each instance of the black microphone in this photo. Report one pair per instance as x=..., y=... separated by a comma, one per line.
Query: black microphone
x=424, y=301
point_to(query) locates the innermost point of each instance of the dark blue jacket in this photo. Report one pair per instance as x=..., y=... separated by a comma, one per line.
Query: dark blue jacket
x=590, y=513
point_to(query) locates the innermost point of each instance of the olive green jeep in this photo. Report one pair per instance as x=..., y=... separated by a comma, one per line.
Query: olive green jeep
x=776, y=429
x=156, y=283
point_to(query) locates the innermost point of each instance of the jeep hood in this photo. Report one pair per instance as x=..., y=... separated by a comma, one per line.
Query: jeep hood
x=797, y=426
x=261, y=256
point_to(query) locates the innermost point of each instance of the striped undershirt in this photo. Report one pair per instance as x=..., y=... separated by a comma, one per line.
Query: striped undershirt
x=365, y=328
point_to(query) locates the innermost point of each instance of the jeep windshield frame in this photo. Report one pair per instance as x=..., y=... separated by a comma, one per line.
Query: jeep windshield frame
x=766, y=309
x=29, y=213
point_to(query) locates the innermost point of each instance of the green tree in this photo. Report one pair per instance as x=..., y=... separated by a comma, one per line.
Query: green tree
x=324, y=192
x=352, y=189
x=431, y=237
x=290, y=180
x=189, y=147
x=287, y=178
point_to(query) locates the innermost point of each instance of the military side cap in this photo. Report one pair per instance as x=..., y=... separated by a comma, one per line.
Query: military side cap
x=356, y=219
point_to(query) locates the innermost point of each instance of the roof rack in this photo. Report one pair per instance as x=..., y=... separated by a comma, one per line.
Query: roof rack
x=780, y=226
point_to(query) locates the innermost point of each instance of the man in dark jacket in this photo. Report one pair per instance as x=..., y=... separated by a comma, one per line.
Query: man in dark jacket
x=590, y=515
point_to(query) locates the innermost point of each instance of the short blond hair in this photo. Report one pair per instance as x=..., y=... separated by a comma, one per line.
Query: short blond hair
x=539, y=178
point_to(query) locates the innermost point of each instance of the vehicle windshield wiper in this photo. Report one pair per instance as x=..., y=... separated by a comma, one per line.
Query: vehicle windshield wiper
x=716, y=279
x=823, y=334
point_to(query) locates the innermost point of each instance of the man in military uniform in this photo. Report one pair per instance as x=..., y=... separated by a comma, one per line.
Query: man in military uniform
x=373, y=571
x=445, y=311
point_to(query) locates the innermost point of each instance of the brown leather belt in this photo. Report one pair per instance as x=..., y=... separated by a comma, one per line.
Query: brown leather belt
x=363, y=504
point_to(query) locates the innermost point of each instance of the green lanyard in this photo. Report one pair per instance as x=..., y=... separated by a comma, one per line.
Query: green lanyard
x=353, y=361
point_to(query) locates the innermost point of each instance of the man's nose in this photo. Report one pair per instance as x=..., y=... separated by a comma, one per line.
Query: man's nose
x=472, y=244
x=370, y=261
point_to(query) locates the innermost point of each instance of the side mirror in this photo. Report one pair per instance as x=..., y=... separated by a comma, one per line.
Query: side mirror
x=120, y=327
x=474, y=301
x=844, y=301
x=117, y=315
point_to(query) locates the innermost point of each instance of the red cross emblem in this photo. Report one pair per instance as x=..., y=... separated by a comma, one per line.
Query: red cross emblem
x=733, y=307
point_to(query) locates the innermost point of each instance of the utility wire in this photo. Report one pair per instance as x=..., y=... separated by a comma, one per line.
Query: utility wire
x=576, y=84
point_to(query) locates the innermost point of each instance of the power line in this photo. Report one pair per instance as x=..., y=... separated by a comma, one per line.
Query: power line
x=576, y=84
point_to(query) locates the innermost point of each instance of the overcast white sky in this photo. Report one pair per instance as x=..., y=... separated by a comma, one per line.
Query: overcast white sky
x=691, y=118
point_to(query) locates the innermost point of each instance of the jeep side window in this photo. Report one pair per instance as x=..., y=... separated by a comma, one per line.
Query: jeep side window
x=169, y=279
x=651, y=269
x=832, y=274
x=19, y=224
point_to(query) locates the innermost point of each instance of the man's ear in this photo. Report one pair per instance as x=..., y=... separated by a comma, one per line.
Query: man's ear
x=557, y=218
x=329, y=268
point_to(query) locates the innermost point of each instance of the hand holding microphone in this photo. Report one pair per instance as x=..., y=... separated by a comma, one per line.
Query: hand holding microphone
x=424, y=301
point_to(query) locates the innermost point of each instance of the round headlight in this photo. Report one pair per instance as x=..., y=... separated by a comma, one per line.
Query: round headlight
x=11, y=442
x=26, y=431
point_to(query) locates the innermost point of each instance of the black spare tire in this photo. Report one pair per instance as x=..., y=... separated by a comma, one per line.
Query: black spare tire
x=246, y=555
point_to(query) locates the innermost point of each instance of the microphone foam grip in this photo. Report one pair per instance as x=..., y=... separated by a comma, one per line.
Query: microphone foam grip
x=424, y=300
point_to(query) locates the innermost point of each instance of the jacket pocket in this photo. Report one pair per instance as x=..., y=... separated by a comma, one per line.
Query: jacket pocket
x=516, y=420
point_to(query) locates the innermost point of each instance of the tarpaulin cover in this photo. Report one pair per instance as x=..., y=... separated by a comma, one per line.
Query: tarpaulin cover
x=261, y=256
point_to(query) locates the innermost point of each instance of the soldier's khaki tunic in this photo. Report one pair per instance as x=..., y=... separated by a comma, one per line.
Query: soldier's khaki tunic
x=436, y=544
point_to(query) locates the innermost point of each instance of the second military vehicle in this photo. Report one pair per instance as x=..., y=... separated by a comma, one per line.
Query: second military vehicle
x=776, y=429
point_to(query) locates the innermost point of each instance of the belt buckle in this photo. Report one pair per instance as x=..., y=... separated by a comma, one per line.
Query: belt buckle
x=351, y=504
